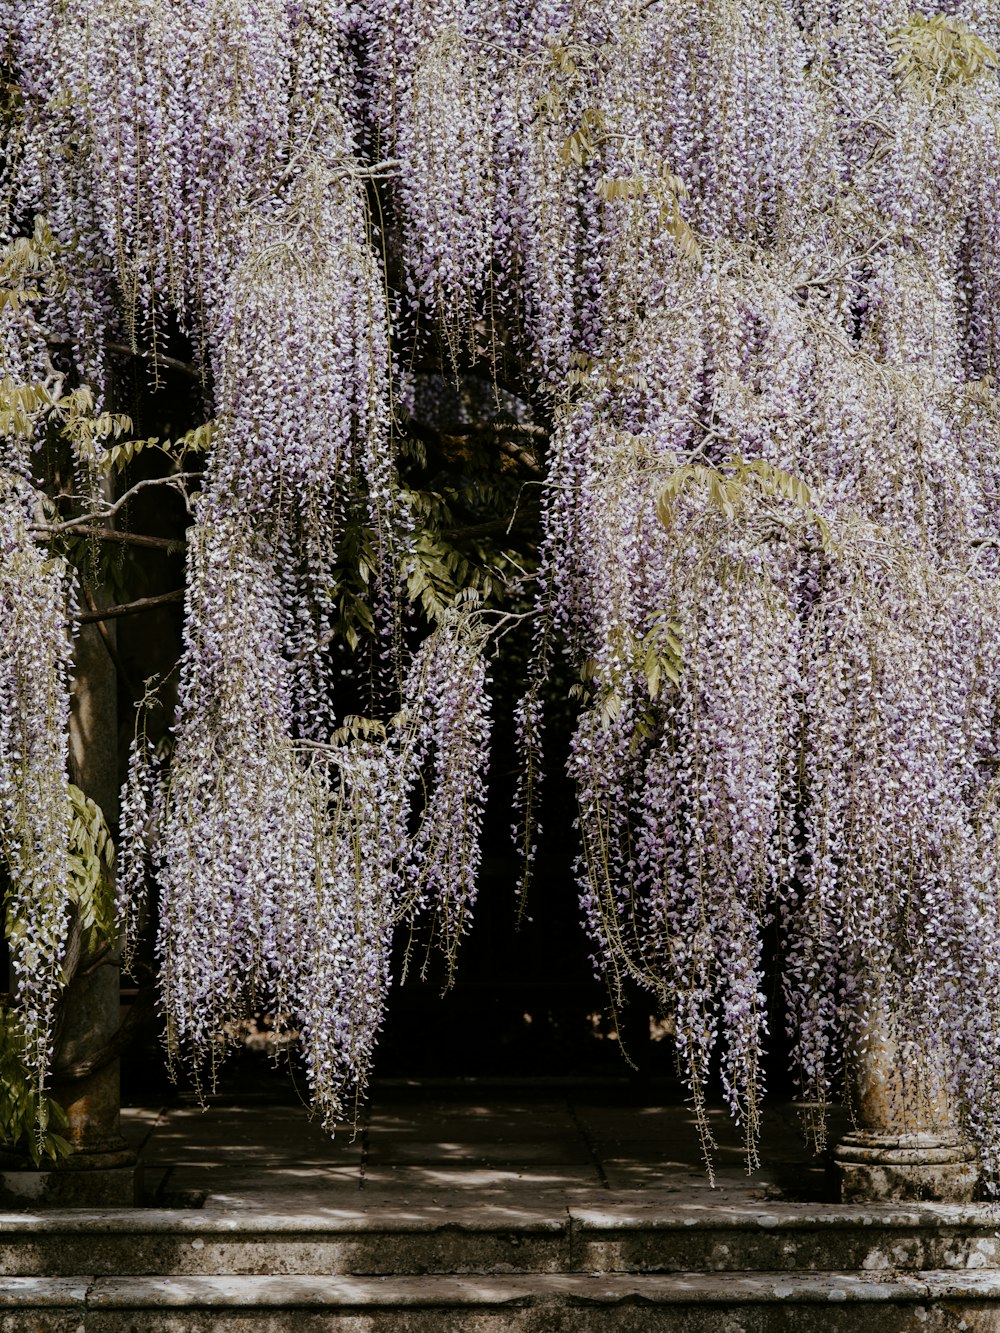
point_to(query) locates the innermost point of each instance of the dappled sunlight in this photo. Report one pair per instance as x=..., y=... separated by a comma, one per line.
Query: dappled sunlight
x=514, y=1158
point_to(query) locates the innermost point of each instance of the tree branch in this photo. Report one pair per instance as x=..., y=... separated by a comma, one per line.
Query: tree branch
x=140, y=353
x=831, y=275
x=176, y=480
x=516, y=428
x=521, y=455
x=495, y=527
x=158, y=359
x=172, y=545
x=131, y=608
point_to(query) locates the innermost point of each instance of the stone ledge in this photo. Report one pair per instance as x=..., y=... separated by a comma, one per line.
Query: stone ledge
x=477, y=1292
x=433, y=1239
x=441, y=1213
x=43, y=1293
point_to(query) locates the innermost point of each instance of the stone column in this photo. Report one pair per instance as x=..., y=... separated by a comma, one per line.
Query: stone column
x=906, y=1146
x=101, y=1170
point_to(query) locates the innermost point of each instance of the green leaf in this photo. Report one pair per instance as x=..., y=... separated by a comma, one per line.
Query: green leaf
x=91, y=859
x=939, y=52
x=609, y=708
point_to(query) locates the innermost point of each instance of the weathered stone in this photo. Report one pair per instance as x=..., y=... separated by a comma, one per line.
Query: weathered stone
x=102, y=1186
x=548, y=1319
x=677, y=1303
x=923, y=1166
x=905, y=1145
x=455, y=1237
x=42, y=1292
x=101, y=1168
x=305, y=1245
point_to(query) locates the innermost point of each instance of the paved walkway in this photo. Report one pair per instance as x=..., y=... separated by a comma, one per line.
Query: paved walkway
x=464, y=1143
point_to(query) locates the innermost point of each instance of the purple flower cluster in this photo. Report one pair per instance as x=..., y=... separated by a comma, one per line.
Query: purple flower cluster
x=444, y=730
x=747, y=256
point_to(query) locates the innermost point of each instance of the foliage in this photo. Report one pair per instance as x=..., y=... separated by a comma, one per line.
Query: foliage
x=939, y=51
x=117, y=457
x=91, y=867
x=727, y=486
x=26, y=1116
x=34, y=807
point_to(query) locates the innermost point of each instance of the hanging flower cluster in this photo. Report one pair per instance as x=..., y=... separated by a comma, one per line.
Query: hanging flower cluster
x=214, y=146
x=771, y=540
x=745, y=257
x=35, y=651
x=286, y=862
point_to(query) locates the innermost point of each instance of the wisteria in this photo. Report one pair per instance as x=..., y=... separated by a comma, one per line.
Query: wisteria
x=34, y=798
x=739, y=261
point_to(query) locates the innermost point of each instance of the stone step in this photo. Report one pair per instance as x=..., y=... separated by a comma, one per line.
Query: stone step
x=930, y=1302
x=435, y=1237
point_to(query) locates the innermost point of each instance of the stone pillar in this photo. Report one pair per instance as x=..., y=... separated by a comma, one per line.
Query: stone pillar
x=91, y=1003
x=906, y=1146
x=101, y=1170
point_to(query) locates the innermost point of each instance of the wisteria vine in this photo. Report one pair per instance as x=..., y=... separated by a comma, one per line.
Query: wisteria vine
x=745, y=259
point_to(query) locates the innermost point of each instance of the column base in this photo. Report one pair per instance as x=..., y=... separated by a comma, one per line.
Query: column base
x=105, y=1187
x=110, y=1178
x=876, y=1168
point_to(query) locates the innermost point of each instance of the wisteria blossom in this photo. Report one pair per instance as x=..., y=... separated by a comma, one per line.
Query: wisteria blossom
x=34, y=801
x=743, y=258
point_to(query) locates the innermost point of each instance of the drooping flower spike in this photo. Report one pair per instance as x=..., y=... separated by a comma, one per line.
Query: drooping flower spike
x=746, y=257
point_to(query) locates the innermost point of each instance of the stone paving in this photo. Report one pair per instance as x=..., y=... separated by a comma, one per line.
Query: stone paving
x=483, y=1141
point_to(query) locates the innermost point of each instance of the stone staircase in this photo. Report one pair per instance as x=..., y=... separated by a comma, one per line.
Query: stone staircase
x=500, y=1228
x=459, y=1266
